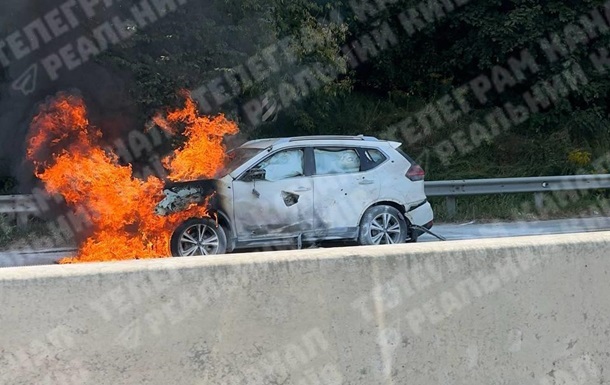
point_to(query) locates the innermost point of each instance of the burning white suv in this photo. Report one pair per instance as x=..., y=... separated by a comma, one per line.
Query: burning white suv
x=290, y=191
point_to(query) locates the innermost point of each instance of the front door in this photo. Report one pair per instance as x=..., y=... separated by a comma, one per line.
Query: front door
x=278, y=203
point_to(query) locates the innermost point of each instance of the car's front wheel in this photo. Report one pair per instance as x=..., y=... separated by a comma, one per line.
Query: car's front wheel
x=382, y=225
x=199, y=236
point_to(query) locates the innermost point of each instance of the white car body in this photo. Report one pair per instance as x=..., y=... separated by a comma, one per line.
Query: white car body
x=341, y=178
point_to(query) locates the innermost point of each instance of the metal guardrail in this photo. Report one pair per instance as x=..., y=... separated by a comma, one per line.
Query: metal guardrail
x=451, y=189
x=19, y=206
x=24, y=205
x=516, y=185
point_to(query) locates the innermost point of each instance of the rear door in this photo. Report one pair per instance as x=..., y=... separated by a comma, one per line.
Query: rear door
x=280, y=204
x=344, y=186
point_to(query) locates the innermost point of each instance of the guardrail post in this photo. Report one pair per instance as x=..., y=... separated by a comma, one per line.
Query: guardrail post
x=539, y=200
x=22, y=220
x=451, y=204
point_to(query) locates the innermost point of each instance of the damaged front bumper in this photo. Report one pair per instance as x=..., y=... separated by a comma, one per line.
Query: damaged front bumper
x=178, y=201
x=184, y=195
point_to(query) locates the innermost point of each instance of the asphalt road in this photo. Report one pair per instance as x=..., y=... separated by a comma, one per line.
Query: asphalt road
x=32, y=258
x=471, y=230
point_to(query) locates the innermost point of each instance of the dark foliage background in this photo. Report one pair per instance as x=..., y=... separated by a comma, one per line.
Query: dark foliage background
x=204, y=39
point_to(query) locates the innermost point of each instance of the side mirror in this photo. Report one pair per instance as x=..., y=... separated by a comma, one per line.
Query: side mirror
x=254, y=174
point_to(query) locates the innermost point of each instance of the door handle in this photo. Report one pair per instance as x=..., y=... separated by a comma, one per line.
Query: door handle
x=302, y=189
x=366, y=181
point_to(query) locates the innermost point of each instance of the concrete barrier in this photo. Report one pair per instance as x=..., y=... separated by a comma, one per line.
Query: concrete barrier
x=531, y=310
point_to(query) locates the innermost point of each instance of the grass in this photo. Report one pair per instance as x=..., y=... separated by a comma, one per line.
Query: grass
x=518, y=207
x=34, y=233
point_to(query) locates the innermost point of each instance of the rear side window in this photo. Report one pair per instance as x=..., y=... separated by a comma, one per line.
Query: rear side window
x=336, y=161
x=371, y=158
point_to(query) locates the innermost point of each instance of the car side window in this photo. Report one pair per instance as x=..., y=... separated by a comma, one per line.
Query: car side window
x=372, y=158
x=283, y=165
x=336, y=161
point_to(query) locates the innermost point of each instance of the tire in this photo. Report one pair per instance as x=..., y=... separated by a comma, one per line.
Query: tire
x=198, y=237
x=376, y=222
x=230, y=242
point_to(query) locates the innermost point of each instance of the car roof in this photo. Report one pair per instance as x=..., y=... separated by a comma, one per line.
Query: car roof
x=260, y=143
x=264, y=143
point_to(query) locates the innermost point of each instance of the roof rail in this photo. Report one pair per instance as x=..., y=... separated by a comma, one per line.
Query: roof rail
x=332, y=137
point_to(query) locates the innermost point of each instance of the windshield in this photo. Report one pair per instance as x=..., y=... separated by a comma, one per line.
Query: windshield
x=236, y=158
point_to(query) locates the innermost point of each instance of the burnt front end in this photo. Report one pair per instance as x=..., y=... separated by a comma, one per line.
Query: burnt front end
x=183, y=195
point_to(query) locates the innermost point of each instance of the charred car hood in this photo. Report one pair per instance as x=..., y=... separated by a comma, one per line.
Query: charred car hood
x=181, y=195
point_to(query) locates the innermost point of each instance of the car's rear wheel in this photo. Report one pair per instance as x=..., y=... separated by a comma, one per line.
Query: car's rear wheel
x=197, y=237
x=382, y=225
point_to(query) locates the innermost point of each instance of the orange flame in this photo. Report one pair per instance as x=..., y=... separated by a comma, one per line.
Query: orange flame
x=69, y=158
x=189, y=162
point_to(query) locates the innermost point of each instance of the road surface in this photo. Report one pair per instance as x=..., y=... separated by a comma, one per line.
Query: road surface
x=473, y=230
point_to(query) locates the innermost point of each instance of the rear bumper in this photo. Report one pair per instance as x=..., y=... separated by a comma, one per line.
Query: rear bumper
x=421, y=216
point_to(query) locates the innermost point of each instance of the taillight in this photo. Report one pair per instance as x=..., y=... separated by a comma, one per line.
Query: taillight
x=415, y=173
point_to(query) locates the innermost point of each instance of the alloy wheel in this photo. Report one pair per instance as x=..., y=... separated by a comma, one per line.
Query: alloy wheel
x=199, y=239
x=385, y=229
